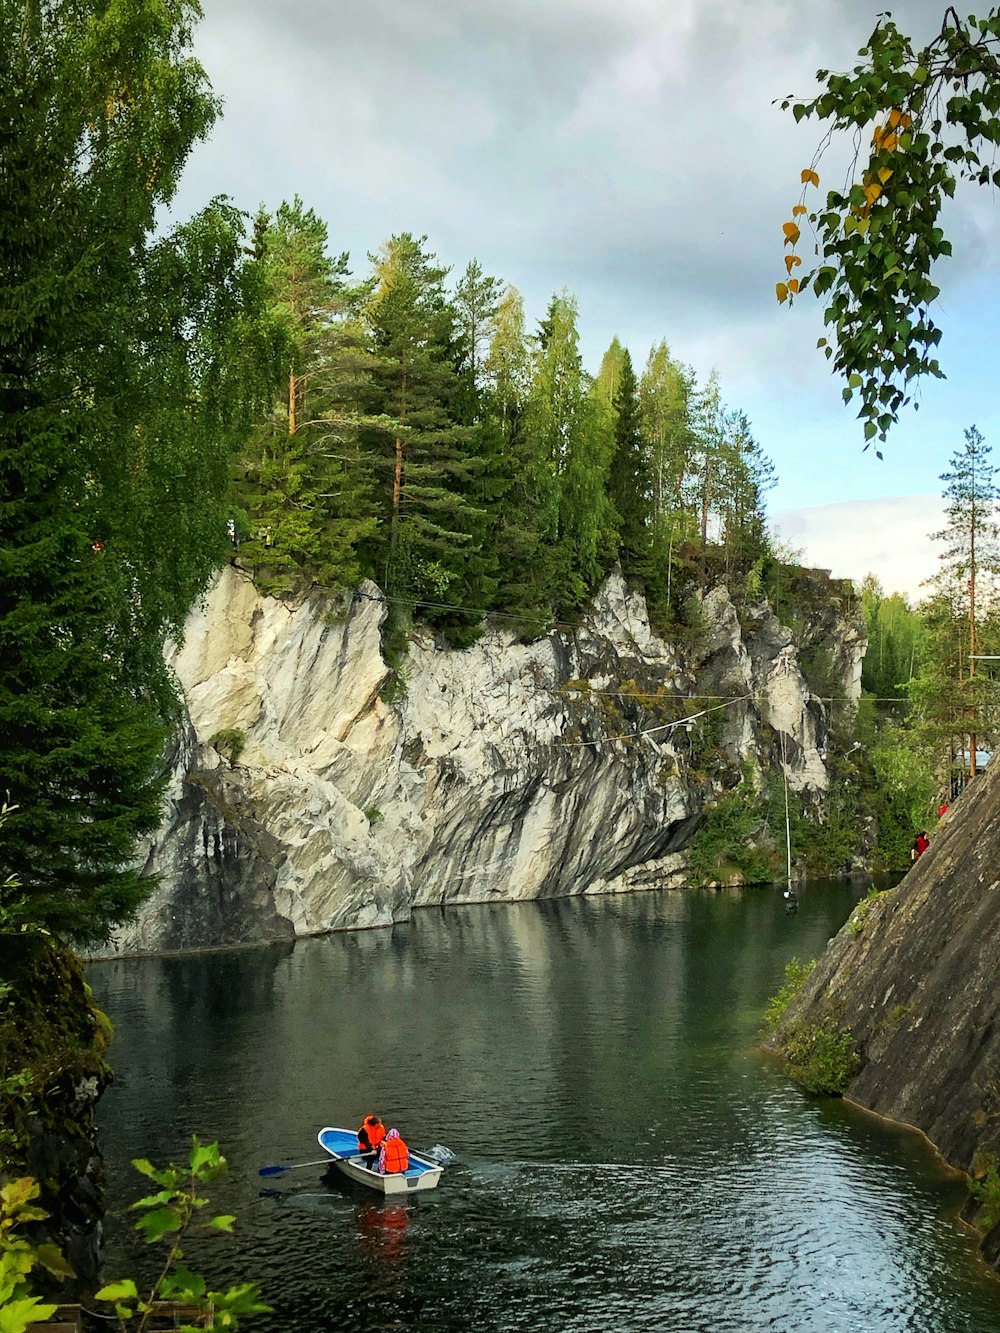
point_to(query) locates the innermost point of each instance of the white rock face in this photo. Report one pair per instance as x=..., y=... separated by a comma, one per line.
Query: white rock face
x=503, y=771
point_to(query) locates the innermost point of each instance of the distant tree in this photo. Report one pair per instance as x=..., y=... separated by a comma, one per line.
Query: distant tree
x=971, y=556
x=921, y=119
x=665, y=393
x=573, y=433
x=629, y=482
x=426, y=458
x=523, y=514
x=746, y=474
x=608, y=376
x=477, y=297
x=895, y=642
x=301, y=485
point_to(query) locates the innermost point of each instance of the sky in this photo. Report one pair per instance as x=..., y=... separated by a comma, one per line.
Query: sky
x=632, y=152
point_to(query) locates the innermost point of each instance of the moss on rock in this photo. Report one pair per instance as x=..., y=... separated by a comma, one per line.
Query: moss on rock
x=53, y=1043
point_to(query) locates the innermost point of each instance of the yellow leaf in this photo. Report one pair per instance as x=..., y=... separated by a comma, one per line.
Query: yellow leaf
x=791, y=233
x=781, y=291
x=889, y=143
x=793, y=286
x=791, y=261
x=809, y=177
x=798, y=210
x=895, y=116
x=872, y=192
x=884, y=174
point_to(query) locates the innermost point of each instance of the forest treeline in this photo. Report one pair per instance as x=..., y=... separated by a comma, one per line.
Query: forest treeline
x=425, y=436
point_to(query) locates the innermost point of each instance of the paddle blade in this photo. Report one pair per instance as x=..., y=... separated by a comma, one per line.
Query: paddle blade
x=272, y=1170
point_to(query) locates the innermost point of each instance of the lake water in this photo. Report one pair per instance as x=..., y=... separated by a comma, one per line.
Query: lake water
x=626, y=1158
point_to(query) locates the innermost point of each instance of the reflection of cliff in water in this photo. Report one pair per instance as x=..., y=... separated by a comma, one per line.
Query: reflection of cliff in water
x=172, y=1015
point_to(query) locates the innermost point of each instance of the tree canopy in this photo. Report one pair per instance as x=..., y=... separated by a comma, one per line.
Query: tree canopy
x=128, y=365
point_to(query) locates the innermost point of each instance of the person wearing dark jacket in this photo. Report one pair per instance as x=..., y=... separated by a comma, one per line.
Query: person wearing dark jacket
x=370, y=1137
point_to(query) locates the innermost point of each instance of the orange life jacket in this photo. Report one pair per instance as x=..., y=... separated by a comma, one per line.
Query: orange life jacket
x=370, y=1135
x=397, y=1157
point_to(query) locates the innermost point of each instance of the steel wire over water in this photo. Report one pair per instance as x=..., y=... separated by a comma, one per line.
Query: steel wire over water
x=625, y=1156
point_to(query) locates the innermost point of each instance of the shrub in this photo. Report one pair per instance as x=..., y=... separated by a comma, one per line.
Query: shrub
x=230, y=743
x=796, y=975
x=820, y=1056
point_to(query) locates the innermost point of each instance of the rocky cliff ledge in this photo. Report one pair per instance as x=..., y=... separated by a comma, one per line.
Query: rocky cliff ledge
x=308, y=797
x=912, y=978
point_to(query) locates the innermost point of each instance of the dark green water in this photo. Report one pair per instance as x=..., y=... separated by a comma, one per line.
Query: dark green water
x=626, y=1158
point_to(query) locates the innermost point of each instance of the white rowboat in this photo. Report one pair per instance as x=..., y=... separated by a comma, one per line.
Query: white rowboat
x=342, y=1145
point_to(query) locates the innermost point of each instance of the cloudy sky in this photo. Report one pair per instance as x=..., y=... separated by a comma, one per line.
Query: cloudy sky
x=630, y=151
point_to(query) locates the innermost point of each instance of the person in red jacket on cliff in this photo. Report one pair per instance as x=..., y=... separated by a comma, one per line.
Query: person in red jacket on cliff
x=920, y=845
x=393, y=1155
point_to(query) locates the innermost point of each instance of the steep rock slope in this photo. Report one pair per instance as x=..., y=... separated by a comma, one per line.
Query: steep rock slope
x=506, y=770
x=913, y=978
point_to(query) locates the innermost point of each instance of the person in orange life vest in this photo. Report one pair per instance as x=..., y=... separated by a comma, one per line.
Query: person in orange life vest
x=393, y=1154
x=370, y=1137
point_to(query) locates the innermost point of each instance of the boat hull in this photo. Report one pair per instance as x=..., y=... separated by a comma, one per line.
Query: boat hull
x=342, y=1145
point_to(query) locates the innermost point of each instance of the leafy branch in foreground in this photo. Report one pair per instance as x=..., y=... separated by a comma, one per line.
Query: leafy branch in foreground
x=19, y=1307
x=169, y=1215
x=920, y=120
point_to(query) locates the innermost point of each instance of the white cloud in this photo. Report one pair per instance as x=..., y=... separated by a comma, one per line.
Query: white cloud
x=888, y=538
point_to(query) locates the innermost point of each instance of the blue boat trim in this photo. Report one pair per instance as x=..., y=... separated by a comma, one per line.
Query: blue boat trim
x=342, y=1143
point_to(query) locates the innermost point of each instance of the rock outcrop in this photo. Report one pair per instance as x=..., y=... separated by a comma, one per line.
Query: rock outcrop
x=53, y=1043
x=307, y=795
x=912, y=977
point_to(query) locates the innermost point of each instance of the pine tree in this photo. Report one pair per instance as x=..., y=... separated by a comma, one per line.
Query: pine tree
x=971, y=558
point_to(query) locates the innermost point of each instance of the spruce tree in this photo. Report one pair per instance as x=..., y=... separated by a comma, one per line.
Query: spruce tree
x=425, y=459
x=127, y=366
x=301, y=487
x=629, y=482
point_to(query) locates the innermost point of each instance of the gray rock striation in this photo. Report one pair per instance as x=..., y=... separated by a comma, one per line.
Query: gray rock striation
x=502, y=771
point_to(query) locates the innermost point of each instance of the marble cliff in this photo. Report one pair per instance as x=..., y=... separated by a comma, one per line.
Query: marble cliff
x=308, y=796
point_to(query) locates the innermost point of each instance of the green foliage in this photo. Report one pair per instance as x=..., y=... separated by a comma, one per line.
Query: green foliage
x=51, y=1037
x=230, y=743
x=797, y=974
x=19, y=1257
x=128, y=367
x=895, y=642
x=729, y=840
x=904, y=765
x=170, y=1214
x=858, y=919
x=984, y=1186
x=926, y=118
x=820, y=1056
x=302, y=485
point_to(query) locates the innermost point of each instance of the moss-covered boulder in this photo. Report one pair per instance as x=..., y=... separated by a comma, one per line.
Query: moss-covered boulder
x=53, y=1042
